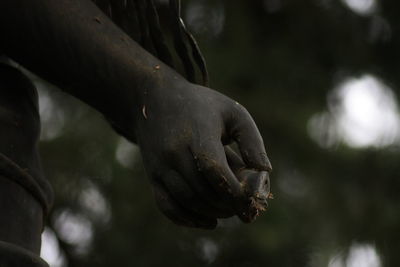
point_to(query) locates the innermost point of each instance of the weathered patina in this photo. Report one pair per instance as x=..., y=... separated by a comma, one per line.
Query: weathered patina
x=182, y=128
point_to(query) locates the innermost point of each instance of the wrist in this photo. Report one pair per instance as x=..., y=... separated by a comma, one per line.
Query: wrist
x=146, y=96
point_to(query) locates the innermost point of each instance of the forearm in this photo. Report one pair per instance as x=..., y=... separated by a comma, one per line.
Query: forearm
x=72, y=44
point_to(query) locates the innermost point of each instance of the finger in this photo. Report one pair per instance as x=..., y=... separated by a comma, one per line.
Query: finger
x=234, y=160
x=178, y=214
x=255, y=184
x=212, y=163
x=185, y=165
x=182, y=193
x=244, y=131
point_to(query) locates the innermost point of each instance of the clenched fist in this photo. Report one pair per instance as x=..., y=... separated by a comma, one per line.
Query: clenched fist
x=184, y=131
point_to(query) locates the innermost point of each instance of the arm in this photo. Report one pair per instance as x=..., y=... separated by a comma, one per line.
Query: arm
x=72, y=44
x=180, y=127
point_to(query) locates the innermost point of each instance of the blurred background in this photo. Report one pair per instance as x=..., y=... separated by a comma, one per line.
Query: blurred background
x=320, y=78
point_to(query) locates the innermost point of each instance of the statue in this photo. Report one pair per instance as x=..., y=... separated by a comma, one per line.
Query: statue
x=127, y=73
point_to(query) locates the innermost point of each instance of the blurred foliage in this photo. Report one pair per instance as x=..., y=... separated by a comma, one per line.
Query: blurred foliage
x=280, y=59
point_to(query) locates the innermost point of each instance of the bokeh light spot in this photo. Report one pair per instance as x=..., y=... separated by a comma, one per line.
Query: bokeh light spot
x=51, y=116
x=359, y=255
x=367, y=112
x=126, y=153
x=50, y=250
x=208, y=249
x=362, y=112
x=95, y=204
x=207, y=20
x=74, y=229
x=361, y=7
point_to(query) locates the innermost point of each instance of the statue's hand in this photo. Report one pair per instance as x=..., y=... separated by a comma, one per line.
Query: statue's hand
x=182, y=132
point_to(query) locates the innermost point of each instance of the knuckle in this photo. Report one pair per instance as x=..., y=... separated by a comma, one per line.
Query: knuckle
x=205, y=163
x=171, y=150
x=238, y=119
x=240, y=109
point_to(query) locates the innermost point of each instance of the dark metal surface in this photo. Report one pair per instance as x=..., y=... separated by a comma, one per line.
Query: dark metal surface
x=25, y=196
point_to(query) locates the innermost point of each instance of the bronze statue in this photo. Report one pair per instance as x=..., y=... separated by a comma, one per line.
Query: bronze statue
x=127, y=73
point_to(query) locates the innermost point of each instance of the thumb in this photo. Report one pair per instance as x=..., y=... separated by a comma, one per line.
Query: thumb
x=256, y=186
x=243, y=130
